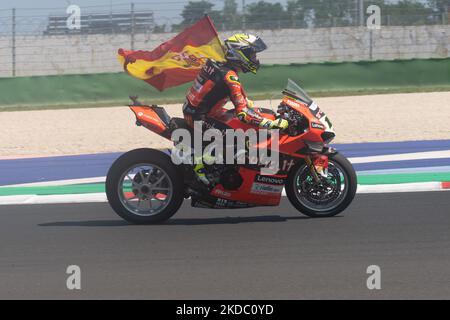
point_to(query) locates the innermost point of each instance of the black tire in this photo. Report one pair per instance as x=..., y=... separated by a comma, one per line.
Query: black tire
x=148, y=156
x=345, y=202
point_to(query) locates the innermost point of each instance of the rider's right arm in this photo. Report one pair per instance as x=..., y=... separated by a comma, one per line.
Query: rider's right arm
x=244, y=107
x=237, y=94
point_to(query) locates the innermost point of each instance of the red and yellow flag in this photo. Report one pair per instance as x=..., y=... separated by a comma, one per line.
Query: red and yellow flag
x=178, y=60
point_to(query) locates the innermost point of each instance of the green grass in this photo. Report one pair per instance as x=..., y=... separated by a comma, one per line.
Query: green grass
x=403, y=178
x=256, y=96
x=53, y=190
x=319, y=79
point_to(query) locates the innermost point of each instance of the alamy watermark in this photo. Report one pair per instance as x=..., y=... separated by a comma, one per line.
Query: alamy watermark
x=229, y=146
x=73, y=21
x=73, y=281
x=374, y=19
x=374, y=280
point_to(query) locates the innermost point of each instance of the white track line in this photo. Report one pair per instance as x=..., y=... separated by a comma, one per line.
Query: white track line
x=401, y=187
x=403, y=156
x=58, y=182
x=101, y=197
x=435, y=169
x=53, y=199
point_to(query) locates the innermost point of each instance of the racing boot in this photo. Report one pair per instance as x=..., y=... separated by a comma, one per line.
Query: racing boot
x=199, y=168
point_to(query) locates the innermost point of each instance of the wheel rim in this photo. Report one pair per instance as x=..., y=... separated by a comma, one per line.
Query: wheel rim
x=326, y=195
x=145, y=189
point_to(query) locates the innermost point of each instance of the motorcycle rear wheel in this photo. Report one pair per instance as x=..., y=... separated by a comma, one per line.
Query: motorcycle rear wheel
x=143, y=186
x=328, y=198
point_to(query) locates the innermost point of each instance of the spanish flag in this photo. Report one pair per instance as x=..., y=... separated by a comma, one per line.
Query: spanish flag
x=178, y=60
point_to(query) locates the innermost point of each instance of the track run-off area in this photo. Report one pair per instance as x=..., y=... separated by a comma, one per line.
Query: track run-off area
x=268, y=253
x=54, y=215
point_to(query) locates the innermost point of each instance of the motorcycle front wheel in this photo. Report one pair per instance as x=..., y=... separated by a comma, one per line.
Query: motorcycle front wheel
x=328, y=197
x=143, y=186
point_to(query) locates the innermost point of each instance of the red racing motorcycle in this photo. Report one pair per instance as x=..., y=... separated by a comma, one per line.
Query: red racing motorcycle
x=145, y=186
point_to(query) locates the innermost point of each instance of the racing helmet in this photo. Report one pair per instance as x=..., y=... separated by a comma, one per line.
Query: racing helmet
x=241, y=50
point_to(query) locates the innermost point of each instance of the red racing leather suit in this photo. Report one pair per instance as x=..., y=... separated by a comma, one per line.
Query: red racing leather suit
x=214, y=86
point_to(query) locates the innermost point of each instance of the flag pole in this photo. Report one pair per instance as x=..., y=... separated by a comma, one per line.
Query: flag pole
x=215, y=31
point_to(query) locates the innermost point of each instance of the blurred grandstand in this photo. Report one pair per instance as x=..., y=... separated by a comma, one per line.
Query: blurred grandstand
x=103, y=23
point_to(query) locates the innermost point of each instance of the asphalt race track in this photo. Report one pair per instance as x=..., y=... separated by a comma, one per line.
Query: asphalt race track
x=230, y=254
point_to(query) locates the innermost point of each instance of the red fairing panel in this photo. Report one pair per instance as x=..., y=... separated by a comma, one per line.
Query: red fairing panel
x=256, y=189
x=149, y=119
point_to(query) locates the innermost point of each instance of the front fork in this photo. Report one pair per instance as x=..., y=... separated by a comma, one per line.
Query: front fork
x=318, y=166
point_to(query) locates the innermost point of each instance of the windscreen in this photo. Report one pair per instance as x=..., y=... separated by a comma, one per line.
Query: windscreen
x=294, y=90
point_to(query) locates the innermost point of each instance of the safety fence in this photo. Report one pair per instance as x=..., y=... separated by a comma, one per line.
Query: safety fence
x=44, y=41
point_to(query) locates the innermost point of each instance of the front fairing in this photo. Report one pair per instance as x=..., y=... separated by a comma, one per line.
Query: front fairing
x=322, y=117
x=296, y=94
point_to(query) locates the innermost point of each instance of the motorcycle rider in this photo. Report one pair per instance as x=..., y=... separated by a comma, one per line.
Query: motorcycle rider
x=218, y=82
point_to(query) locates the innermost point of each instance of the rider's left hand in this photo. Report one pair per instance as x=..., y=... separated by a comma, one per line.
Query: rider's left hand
x=278, y=123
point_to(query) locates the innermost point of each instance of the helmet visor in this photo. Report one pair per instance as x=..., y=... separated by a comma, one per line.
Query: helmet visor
x=249, y=53
x=259, y=45
x=251, y=50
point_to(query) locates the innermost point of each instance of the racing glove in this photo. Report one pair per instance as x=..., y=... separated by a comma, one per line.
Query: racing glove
x=279, y=123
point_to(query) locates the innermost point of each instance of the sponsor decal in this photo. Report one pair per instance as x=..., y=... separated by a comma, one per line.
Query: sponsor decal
x=292, y=103
x=208, y=69
x=232, y=78
x=269, y=180
x=315, y=110
x=209, y=125
x=287, y=165
x=314, y=107
x=263, y=188
x=328, y=122
x=201, y=204
x=222, y=193
x=316, y=125
x=221, y=202
x=147, y=117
